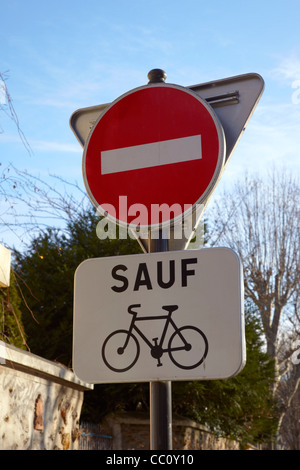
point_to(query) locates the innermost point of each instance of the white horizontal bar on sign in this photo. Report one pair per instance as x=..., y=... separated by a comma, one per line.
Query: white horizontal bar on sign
x=150, y=155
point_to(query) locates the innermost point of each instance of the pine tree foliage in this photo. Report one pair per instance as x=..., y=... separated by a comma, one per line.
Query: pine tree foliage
x=46, y=277
x=241, y=407
x=11, y=326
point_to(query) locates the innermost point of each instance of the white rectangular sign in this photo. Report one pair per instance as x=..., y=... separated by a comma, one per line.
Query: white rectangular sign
x=149, y=155
x=5, y=264
x=159, y=316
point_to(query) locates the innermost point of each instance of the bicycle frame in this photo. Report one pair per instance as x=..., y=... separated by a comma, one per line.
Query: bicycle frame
x=188, y=361
x=169, y=321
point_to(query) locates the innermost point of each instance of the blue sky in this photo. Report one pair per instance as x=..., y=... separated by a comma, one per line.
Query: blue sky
x=63, y=55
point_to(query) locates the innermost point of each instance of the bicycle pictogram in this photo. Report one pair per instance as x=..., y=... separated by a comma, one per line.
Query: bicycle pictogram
x=187, y=347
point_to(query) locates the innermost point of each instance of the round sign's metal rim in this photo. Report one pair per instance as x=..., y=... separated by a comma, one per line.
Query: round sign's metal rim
x=202, y=199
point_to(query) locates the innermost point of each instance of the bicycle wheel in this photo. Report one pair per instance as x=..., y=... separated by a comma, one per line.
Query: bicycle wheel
x=188, y=347
x=120, y=350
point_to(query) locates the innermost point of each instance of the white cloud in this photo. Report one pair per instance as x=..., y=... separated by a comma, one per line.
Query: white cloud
x=44, y=145
x=272, y=138
x=288, y=69
x=50, y=146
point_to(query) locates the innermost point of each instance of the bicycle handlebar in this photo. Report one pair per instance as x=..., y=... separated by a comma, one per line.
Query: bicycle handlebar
x=169, y=308
x=131, y=307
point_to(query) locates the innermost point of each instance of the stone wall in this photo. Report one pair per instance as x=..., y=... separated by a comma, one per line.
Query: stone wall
x=40, y=402
x=131, y=431
x=40, y=406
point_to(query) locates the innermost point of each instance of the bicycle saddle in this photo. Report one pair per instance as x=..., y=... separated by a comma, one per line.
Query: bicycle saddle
x=170, y=308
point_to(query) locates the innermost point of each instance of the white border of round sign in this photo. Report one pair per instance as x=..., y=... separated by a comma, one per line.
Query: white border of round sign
x=216, y=176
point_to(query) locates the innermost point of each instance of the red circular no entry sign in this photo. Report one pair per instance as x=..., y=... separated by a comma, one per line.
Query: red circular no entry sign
x=157, y=146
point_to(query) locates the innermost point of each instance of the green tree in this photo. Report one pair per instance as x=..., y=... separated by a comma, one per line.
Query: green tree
x=240, y=407
x=46, y=272
x=11, y=326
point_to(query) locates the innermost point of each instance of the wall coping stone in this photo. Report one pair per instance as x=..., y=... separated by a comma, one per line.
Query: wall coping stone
x=25, y=361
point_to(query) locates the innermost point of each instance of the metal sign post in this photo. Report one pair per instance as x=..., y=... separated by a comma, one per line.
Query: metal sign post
x=161, y=415
x=161, y=435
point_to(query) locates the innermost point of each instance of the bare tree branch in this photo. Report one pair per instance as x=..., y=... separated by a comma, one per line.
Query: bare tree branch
x=260, y=220
x=8, y=108
x=31, y=205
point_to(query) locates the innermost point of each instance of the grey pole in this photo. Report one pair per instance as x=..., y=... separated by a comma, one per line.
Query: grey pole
x=160, y=391
x=161, y=415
